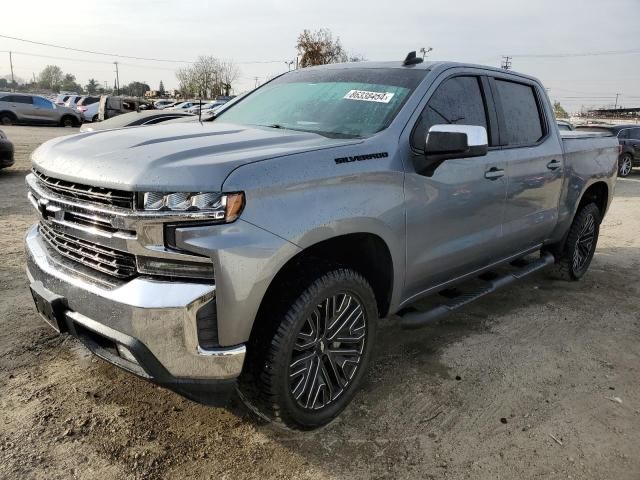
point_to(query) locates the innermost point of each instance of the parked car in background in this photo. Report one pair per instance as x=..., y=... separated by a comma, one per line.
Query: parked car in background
x=161, y=104
x=184, y=105
x=6, y=151
x=88, y=107
x=26, y=108
x=147, y=117
x=111, y=106
x=565, y=125
x=629, y=138
x=258, y=252
x=205, y=106
x=72, y=101
x=62, y=97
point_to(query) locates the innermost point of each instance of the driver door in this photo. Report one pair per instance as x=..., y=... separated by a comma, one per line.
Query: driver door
x=454, y=209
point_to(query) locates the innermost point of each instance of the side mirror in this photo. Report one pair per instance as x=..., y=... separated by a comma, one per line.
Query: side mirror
x=456, y=141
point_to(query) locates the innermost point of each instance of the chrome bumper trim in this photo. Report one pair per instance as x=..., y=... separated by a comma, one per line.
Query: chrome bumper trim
x=160, y=314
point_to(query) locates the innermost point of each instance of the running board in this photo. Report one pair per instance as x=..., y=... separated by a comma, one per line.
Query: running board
x=417, y=319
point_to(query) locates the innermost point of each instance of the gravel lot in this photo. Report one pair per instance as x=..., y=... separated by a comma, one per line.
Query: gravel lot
x=540, y=380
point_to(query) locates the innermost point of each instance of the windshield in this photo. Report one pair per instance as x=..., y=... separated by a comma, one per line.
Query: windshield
x=350, y=102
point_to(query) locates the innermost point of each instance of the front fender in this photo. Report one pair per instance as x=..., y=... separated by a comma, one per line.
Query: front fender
x=308, y=198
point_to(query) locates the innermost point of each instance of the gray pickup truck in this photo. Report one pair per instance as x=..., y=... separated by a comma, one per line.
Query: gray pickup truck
x=257, y=252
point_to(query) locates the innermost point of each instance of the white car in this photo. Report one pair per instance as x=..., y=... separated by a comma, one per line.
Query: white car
x=72, y=101
x=88, y=107
x=205, y=106
x=162, y=104
x=62, y=98
x=184, y=105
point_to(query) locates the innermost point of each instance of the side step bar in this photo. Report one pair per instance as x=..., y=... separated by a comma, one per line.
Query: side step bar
x=416, y=319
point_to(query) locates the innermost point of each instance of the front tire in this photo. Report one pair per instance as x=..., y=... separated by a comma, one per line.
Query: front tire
x=625, y=164
x=580, y=245
x=318, y=354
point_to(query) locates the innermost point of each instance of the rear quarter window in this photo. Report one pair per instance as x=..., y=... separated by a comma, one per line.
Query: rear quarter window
x=522, y=119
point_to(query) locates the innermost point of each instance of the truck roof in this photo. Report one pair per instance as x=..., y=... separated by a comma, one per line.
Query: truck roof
x=427, y=66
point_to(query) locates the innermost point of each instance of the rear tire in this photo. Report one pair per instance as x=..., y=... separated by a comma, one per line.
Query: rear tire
x=625, y=164
x=7, y=119
x=316, y=355
x=580, y=246
x=68, y=121
x=95, y=118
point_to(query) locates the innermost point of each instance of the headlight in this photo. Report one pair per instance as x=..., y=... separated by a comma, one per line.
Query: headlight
x=222, y=206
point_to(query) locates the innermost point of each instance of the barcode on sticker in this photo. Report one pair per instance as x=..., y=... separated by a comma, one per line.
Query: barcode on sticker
x=382, y=97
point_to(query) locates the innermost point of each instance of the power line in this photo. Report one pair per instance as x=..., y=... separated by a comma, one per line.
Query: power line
x=582, y=54
x=93, y=52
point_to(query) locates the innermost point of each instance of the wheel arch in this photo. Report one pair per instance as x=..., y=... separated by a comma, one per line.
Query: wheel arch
x=364, y=252
x=598, y=193
x=10, y=113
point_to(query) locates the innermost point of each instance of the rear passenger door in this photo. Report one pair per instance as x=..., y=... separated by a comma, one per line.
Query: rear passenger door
x=22, y=107
x=532, y=150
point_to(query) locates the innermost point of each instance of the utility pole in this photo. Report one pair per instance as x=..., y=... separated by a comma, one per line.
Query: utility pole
x=117, y=79
x=288, y=64
x=11, y=63
x=617, y=95
x=424, y=51
x=256, y=84
x=506, y=63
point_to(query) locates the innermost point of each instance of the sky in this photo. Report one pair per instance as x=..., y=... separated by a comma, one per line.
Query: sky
x=260, y=36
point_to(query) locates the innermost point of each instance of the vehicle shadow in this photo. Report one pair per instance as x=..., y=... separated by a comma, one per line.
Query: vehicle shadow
x=413, y=393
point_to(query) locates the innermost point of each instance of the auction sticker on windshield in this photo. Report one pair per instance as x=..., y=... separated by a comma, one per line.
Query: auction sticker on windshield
x=382, y=97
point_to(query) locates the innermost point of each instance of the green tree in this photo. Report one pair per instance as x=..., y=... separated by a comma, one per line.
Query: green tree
x=92, y=86
x=135, y=89
x=50, y=77
x=559, y=111
x=161, y=88
x=69, y=83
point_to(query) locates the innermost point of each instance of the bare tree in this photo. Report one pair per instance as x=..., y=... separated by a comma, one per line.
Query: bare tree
x=229, y=73
x=208, y=77
x=50, y=77
x=319, y=48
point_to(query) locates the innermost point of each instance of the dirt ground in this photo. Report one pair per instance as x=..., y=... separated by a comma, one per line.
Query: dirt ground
x=540, y=380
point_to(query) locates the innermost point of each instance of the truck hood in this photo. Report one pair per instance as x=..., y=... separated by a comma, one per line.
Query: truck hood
x=171, y=157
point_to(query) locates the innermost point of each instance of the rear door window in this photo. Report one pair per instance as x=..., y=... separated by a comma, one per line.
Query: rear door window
x=522, y=120
x=458, y=101
x=634, y=133
x=42, y=102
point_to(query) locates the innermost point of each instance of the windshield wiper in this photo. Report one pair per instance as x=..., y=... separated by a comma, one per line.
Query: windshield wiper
x=317, y=132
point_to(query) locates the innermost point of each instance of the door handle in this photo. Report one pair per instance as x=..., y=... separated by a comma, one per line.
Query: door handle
x=553, y=165
x=494, y=173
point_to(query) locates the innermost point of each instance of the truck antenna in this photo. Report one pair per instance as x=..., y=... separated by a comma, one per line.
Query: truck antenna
x=412, y=59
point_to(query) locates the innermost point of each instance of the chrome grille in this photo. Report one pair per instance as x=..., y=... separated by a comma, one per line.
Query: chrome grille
x=103, y=259
x=77, y=191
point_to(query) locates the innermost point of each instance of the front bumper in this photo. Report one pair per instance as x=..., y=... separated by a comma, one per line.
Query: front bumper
x=154, y=319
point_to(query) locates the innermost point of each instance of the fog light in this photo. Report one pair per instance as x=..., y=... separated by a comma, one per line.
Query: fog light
x=125, y=353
